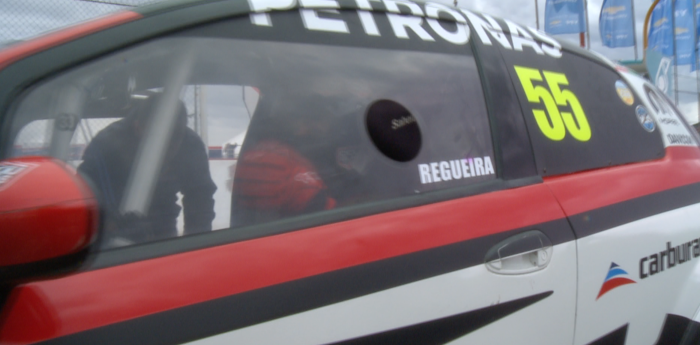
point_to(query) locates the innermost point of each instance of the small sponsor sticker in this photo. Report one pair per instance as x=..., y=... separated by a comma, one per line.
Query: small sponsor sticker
x=616, y=277
x=645, y=119
x=668, y=120
x=624, y=92
x=10, y=171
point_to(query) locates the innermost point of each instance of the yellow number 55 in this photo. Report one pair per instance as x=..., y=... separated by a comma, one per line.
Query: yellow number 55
x=554, y=123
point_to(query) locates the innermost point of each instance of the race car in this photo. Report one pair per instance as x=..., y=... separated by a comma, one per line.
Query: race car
x=411, y=173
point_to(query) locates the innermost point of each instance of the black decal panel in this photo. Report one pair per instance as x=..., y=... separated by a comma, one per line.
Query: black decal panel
x=594, y=128
x=679, y=330
x=616, y=337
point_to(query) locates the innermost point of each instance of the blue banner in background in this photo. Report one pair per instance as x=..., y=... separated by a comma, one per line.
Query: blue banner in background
x=693, y=64
x=685, y=32
x=697, y=18
x=564, y=17
x=616, y=23
x=661, y=31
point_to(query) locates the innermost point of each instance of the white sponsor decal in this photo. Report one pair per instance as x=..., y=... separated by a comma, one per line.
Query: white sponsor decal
x=675, y=133
x=314, y=14
x=520, y=38
x=455, y=169
x=406, y=120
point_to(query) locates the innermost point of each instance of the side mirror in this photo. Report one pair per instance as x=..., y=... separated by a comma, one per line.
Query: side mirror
x=697, y=127
x=46, y=213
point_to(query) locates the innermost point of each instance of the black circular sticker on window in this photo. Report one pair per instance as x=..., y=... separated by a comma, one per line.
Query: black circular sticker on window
x=394, y=130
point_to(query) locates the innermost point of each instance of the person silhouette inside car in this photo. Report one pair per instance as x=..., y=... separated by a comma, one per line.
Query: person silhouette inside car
x=108, y=161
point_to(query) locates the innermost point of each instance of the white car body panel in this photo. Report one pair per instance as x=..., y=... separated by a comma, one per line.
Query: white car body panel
x=435, y=298
x=643, y=305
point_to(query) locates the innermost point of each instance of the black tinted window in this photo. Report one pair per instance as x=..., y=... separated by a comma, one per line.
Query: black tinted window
x=338, y=126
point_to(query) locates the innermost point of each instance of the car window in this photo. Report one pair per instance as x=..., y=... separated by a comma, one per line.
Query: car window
x=191, y=133
x=581, y=114
x=33, y=139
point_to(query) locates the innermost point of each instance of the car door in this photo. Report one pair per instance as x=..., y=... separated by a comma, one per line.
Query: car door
x=384, y=190
x=654, y=213
x=627, y=178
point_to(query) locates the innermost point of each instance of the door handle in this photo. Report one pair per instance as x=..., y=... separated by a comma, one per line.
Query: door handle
x=526, y=252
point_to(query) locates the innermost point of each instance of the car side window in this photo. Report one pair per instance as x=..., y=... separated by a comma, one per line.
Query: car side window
x=34, y=138
x=195, y=132
x=581, y=114
x=364, y=133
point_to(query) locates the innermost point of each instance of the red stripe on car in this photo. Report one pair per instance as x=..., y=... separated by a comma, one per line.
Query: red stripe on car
x=586, y=191
x=102, y=297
